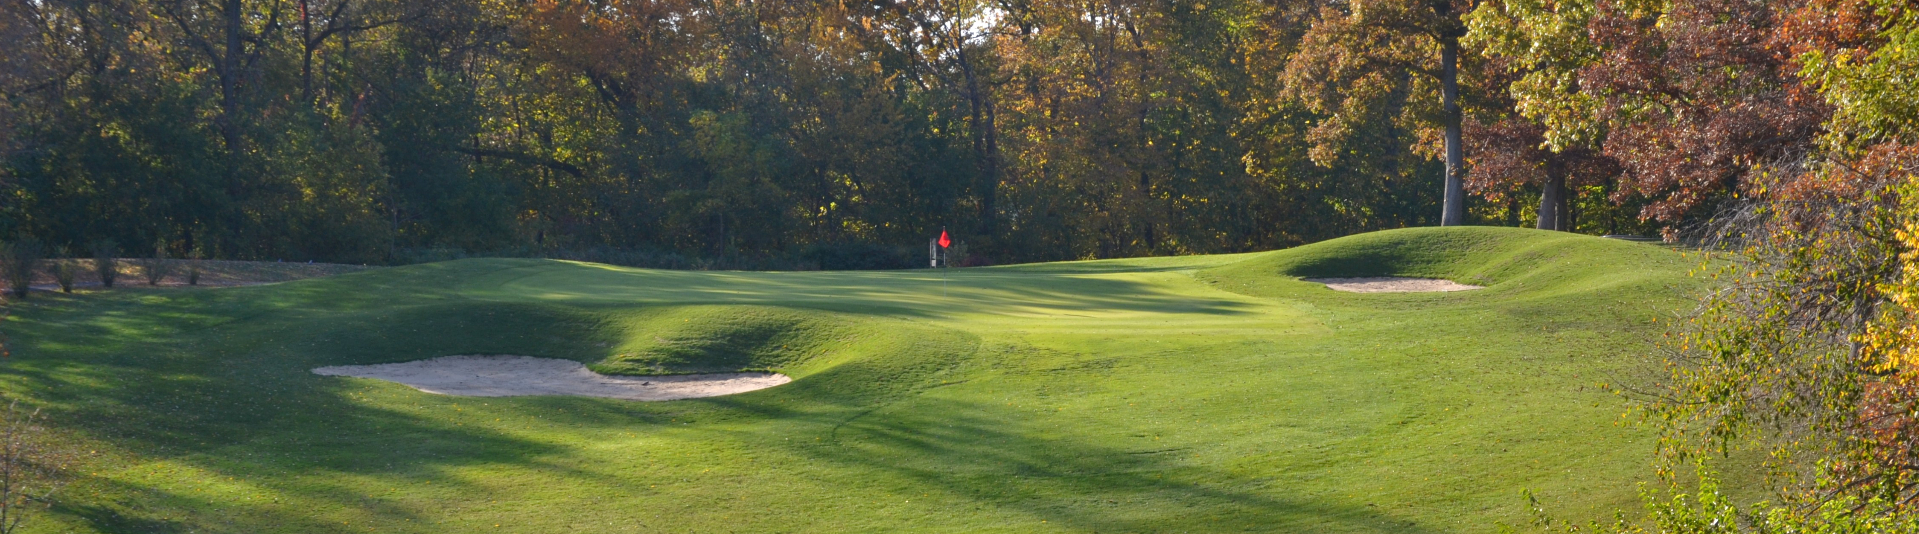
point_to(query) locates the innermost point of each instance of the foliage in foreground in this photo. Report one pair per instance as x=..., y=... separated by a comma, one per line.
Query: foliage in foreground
x=1805, y=351
x=1706, y=509
x=1809, y=348
x=33, y=466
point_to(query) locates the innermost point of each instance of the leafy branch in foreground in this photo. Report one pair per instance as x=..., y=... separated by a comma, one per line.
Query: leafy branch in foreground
x=1706, y=509
x=1805, y=348
x=33, y=466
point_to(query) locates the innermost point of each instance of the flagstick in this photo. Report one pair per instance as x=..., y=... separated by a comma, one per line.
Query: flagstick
x=944, y=259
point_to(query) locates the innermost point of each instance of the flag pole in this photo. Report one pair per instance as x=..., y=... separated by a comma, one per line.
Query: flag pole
x=946, y=262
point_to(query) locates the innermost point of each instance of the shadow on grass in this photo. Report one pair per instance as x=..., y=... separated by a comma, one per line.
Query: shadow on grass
x=897, y=293
x=220, y=381
x=985, y=455
x=162, y=512
x=224, y=387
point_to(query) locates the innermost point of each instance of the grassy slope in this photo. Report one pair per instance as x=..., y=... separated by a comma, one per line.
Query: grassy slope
x=1170, y=394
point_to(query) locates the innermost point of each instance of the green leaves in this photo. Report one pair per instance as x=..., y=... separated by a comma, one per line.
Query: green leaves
x=1874, y=90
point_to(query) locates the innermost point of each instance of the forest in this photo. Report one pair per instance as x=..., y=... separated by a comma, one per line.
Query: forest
x=372, y=131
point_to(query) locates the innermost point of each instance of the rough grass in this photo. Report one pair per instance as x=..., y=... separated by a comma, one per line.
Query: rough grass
x=1193, y=394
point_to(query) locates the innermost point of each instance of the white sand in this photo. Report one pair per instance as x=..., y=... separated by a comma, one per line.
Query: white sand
x=1391, y=284
x=512, y=376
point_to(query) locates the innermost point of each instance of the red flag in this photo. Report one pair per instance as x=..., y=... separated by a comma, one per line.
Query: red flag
x=945, y=241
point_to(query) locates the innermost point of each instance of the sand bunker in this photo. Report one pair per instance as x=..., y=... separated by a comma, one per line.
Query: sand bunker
x=512, y=376
x=1391, y=284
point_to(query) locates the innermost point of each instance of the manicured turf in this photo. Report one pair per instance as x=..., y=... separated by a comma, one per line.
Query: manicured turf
x=1190, y=394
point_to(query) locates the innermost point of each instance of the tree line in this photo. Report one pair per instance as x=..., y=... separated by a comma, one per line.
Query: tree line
x=358, y=130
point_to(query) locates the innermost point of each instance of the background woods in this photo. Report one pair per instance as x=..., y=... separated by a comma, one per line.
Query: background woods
x=370, y=130
x=360, y=130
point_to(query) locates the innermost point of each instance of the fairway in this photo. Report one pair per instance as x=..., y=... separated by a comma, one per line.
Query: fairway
x=1180, y=394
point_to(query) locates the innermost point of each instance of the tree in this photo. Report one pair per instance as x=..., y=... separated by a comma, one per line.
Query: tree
x=357, y=130
x=1698, y=96
x=1373, y=62
x=1540, y=131
x=220, y=30
x=1510, y=154
x=947, y=44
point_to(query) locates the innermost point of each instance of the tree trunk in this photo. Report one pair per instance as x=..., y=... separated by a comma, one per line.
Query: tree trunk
x=229, y=78
x=306, y=55
x=1552, y=204
x=1568, y=218
x=982, y=119
x=1454, y=211
x=229, y=94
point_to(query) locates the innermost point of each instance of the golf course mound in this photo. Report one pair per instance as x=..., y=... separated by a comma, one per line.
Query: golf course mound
x=1511, y=262
x=515, y=376
x=1195, y=394
x=721, y=339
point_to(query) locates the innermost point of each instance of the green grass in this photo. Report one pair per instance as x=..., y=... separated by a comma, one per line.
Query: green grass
x=1189, y=394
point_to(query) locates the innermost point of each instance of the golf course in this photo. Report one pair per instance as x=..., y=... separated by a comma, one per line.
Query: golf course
x=1216, y=393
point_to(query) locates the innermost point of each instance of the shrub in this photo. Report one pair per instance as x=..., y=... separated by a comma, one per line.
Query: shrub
x=193, y=265
x=106, y=262
x=63, y=269
x=21, y=259
x=156, y=267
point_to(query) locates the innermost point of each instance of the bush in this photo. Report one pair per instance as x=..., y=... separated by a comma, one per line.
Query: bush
x=106, y=262
x=156, y=267
x=63, y=269
x=21, y=259
x=193, y=266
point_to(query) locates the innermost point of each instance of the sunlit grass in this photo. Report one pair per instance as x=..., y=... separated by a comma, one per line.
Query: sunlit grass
x=1209, y=393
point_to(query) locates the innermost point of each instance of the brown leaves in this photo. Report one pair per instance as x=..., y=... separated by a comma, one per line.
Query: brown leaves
x=1700, y=97
x=1509, y=153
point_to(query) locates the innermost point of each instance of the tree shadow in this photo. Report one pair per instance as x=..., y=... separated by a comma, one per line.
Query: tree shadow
x=220, y=381
x=920, y=294
x=984, y=454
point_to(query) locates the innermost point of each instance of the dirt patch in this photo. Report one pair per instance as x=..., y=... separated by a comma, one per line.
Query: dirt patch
x=514, y=376
x=1391, y=284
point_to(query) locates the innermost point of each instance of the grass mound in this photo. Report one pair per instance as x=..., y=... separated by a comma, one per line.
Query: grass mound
x=717, y=339
x=1195, y=394
x=1503, y=259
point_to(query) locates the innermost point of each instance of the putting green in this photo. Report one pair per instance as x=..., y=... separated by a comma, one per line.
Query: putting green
x=1193, y=394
